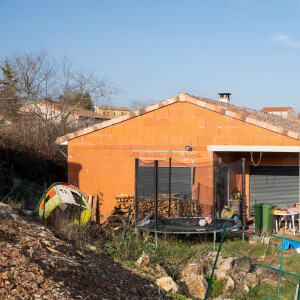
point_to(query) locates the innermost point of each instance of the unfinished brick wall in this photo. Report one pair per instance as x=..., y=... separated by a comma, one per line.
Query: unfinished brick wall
x=104, y=160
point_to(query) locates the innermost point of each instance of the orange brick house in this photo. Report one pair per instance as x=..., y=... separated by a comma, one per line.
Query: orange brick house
x=102, y=157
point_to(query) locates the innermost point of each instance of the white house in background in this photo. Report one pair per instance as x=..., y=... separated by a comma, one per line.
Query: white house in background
x=56, y=112
x=284, y=112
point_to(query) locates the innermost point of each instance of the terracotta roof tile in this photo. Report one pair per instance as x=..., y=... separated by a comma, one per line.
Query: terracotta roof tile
x=252, y=116
x=269, y=109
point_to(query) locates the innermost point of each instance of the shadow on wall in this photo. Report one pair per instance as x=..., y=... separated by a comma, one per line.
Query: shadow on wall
x=73, y=173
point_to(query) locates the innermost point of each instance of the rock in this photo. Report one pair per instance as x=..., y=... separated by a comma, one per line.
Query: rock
x=246, y=288
x=259, y=271
x=243, y=264
x=91, y=247
x=229, y=285
x=160, y=271
x=212, y=256
x=167, y=284
x=238, y=276
x=220, y=275
x=251, y=280
x=194, y=268
x=143, y=261
x=225, y=264
x=196, y=285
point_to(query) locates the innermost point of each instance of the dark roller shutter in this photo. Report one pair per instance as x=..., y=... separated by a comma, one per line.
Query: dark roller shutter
x=181, y=181
x=274, y=184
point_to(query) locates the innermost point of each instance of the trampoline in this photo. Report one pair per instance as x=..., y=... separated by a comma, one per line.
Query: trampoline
x=188, y=225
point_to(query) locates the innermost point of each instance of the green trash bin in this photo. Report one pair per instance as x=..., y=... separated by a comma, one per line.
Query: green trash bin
x=268, y=216
x=263, y=217
x=258, y=214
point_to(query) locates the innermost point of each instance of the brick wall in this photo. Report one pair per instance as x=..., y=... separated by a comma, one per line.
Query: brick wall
x=104, y=160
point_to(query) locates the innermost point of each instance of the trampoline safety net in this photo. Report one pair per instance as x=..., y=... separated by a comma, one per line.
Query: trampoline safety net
x=172, y=189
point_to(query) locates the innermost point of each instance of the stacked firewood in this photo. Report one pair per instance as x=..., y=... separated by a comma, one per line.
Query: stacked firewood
x=178, y=207
x=123, y=202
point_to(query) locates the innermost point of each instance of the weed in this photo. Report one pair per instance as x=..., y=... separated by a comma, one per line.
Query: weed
x=179, y=296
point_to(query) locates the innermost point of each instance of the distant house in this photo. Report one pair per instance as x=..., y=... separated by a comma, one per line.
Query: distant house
x=284, y=112
x=112, y=111
x=56, y=112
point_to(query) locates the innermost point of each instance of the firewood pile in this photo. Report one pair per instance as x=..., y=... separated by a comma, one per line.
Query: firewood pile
x=178, y=207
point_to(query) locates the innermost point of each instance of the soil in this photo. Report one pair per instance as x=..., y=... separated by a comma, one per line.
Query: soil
x=35, y=264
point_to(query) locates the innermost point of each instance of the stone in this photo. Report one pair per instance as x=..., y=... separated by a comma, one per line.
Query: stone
x=91, y=247
x=243, y=264
x=143, y=261
x=167, y=284
x=229, y=285
x=160, y=271
x=225, y=264
x=194, y=268
x=251, y=280
x=246, y=288
x=220, y=275
x=238, y=276
x=196, y=285
x=212, y=256
x=259, y=271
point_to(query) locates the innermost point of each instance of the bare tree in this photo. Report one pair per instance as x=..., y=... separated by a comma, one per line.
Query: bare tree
x=61, y=86
x=137, y=104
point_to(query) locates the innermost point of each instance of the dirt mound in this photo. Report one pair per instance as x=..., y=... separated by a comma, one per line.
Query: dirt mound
x=34, y=264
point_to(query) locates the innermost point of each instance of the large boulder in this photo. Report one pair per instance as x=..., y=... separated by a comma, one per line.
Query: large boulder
x=143, y=261
x=243, y=264
x=196, y=285
x=167, y=284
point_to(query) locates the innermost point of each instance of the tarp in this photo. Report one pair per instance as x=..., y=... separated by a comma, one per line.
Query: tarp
x=67, y=200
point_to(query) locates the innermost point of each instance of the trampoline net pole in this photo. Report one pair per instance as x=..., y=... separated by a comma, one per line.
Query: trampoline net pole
x=155, y=194
x=170, y=185
x=242, y=203
x=136, y=198
x=215, y=200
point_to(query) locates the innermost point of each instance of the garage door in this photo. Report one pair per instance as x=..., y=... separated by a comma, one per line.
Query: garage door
x=274, y=184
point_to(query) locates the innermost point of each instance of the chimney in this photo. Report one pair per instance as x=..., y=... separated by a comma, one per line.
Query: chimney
x=224, y=97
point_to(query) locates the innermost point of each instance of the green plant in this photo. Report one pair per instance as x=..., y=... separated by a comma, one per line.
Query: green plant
x=179, y=296
x=217, y=286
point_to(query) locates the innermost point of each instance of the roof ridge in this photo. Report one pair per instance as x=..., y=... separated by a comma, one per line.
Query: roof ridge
x=248, y=115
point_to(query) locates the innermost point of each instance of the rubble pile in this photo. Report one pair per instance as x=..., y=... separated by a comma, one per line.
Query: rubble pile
x=35, y=264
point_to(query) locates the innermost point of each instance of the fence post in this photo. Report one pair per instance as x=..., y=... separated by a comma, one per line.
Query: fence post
x=216, y=260
x=155, y=198
x=170, y=184
x=80, y=208
x=44, y=202
x=136, y=198
x=280, y=267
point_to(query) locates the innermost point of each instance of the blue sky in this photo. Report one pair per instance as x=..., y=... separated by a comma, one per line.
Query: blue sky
x=155, y=49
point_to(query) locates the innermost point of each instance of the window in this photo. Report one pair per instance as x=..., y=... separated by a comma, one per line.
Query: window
x=123, y=113
x=114, y=113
